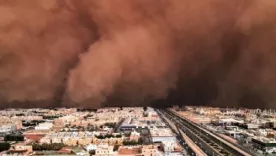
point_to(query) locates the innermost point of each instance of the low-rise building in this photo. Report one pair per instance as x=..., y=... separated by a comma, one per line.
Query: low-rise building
x=4, y=120
x=91, y=147
x=162, y=134
x=44, y=126
x=57, y=140
x=20, y=149
x=111, y=141
x=6, y=128
x=104, y=150
x=171, y=147
x=84, y=141
x=130, y=151
x=250, y=126
x=150, y=150
x=69, y=138
x=35, y=135
x=266, y=145
x=45, y=140
x=134, y=136
x=70, y=141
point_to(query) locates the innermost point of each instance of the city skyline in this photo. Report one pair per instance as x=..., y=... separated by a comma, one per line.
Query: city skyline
x=138, y=131
x=137, y=77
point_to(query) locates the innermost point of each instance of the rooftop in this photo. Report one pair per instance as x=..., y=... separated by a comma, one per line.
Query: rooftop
x=155, y=132
x=126, y=150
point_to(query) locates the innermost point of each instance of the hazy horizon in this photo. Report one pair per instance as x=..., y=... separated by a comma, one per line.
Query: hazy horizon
x=98, y=53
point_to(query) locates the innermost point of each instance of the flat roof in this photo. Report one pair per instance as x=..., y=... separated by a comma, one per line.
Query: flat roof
x=164, y=132
x=129, y=151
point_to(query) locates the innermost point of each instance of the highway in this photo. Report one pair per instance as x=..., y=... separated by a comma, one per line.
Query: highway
x=211, y=144
x=192, y=145
x=185, y=142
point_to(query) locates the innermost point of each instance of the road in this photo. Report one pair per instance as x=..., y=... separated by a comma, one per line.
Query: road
x=207, y=141
x=192, y=145
x=185, y=141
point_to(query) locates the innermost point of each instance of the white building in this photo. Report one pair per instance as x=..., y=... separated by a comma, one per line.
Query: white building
x=44, y=126
x=91, y=147
x=134, y=136
x=162, y=134
x=252, y=126
x=56, y=140
x=261, y=132
x=151, y=112
x=7, y=128
x=171, y=147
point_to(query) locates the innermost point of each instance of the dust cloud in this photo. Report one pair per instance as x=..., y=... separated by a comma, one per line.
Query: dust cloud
x=95, y=53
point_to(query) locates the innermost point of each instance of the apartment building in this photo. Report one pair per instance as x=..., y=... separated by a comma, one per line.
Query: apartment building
x=104, y=150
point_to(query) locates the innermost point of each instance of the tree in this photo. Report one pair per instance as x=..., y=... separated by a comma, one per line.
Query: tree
x=118, y=136
x=145, y=108
x=92, y=152
x=131, y=142
x=11, y=137
x=127, y=134
x=140, y=141
x=44, y=146
x=116, y=147
x=4, y=146
x=108, y=135
x=110, y=124
x=100, y=137
x=20, y=114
